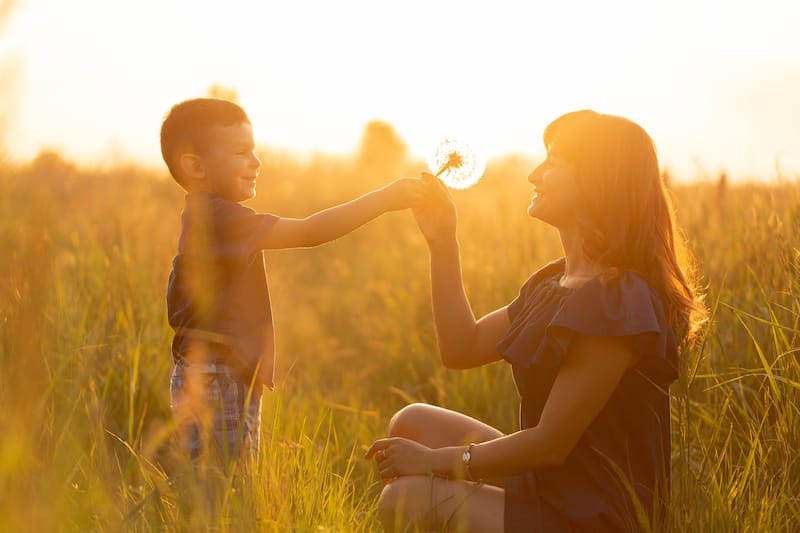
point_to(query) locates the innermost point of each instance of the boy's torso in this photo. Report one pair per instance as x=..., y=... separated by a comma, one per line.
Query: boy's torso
x=217, y=294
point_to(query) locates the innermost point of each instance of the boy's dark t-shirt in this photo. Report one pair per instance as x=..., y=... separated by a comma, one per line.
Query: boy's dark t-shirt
x=218, y=293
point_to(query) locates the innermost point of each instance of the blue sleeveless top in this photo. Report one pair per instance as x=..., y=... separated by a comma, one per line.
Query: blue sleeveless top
x=620, y=467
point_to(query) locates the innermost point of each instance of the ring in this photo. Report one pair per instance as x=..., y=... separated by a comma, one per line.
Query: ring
x=382, y=454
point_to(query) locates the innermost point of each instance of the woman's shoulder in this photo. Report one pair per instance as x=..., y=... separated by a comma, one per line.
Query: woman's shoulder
x=624, y=298
x=623, y=305
x=618, y=289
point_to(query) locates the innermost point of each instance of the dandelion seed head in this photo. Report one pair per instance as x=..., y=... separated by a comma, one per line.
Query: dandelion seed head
x=456, y=164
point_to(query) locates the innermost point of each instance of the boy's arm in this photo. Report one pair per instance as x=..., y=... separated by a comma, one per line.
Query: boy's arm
x=334, y=222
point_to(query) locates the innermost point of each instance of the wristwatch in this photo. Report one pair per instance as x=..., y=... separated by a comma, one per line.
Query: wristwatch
x=466, y=457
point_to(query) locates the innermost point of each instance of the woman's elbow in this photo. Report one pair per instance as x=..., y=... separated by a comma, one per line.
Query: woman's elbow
x=556, y=451
x=451, y=359
x=553, y=458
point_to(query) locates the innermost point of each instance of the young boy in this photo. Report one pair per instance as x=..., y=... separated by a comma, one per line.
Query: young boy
x=217, y=297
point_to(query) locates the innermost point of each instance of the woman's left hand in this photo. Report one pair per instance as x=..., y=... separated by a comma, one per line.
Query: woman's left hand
x=401, y=457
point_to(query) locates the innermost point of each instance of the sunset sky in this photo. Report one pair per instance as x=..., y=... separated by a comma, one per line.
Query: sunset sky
x=717, y=84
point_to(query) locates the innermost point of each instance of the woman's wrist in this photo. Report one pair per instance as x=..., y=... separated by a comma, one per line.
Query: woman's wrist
x=449, y=462
x=466, y=458
x=444, y=245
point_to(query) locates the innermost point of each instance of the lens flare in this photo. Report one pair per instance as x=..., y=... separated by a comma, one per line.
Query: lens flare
x=456, y=164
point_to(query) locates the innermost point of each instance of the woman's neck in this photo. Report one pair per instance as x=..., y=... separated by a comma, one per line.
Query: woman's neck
x=577, y=268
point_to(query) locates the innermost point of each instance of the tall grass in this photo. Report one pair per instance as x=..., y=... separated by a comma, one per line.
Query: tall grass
x=85, y=429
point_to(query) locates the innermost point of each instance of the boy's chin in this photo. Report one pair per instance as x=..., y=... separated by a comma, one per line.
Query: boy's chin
x=246, y=195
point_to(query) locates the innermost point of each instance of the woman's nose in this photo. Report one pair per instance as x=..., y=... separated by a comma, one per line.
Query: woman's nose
x=536, y=176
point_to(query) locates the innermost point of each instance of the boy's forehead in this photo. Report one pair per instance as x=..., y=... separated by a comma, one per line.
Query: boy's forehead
x=233, y=134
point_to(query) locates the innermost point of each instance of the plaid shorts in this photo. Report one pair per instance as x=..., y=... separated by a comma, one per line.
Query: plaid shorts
x=224, y=415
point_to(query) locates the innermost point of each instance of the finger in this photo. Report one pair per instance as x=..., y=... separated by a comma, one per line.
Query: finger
x=387, y=470
x=442, y=194
x=376, y=446
x=428, y=177
x=441, y=186
x=373, y=449
x=445, y=191
x=380, y=457
x=418, y=201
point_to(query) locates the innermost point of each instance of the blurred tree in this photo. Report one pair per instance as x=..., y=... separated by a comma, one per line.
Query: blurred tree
x=221, y=91
x=382, y=154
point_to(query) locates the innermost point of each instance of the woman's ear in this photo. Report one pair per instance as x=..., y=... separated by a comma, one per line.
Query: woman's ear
x=192, y=166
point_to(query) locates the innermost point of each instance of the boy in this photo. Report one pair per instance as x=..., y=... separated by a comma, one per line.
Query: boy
x=217, y=297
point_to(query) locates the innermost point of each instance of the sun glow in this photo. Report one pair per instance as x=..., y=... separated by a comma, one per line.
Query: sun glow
x=96, y=77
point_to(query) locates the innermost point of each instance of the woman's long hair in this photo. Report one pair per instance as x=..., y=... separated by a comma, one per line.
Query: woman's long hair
x=624, y=214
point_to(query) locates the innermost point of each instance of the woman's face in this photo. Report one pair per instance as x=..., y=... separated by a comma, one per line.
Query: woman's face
x=554, y=201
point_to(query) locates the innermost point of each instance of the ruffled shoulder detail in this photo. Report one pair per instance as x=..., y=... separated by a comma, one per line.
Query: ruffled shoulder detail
x=530, y=313
x=625, y=306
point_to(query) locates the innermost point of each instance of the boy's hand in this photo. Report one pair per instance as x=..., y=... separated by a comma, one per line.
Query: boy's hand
x=404, y=193
x=436, y=216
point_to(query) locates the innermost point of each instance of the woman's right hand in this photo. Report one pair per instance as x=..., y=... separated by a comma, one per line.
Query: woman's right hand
x=436, y=215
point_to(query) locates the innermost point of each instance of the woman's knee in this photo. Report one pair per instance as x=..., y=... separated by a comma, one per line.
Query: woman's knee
x=407, y=421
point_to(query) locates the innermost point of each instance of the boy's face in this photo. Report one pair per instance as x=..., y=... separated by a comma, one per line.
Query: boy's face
x=230, y=165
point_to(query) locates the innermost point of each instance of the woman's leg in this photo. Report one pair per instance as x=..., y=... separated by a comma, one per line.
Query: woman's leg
x=436, y=427
x=426, y=503
x=435, y=503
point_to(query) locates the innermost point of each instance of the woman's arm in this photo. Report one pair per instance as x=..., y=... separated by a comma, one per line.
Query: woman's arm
x=588, y=376
x=463, y=341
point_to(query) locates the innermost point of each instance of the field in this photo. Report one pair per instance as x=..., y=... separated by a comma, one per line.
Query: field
x=85, y=428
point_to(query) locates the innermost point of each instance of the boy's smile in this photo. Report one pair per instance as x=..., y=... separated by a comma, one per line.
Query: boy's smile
x=230, y=165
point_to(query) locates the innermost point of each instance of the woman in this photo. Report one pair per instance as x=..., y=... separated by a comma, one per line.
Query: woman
x=593, y=343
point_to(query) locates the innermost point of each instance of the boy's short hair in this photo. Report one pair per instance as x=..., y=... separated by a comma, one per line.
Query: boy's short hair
x=186, y=126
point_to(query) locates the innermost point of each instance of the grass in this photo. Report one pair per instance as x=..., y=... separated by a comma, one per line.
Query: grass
x=85, y=428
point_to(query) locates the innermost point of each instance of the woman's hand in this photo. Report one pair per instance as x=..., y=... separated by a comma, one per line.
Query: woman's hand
x=404, y=193
x=402, y=457
x=436, y=215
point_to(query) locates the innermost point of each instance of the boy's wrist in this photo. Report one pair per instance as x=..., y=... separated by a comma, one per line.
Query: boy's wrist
x=385, y=198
